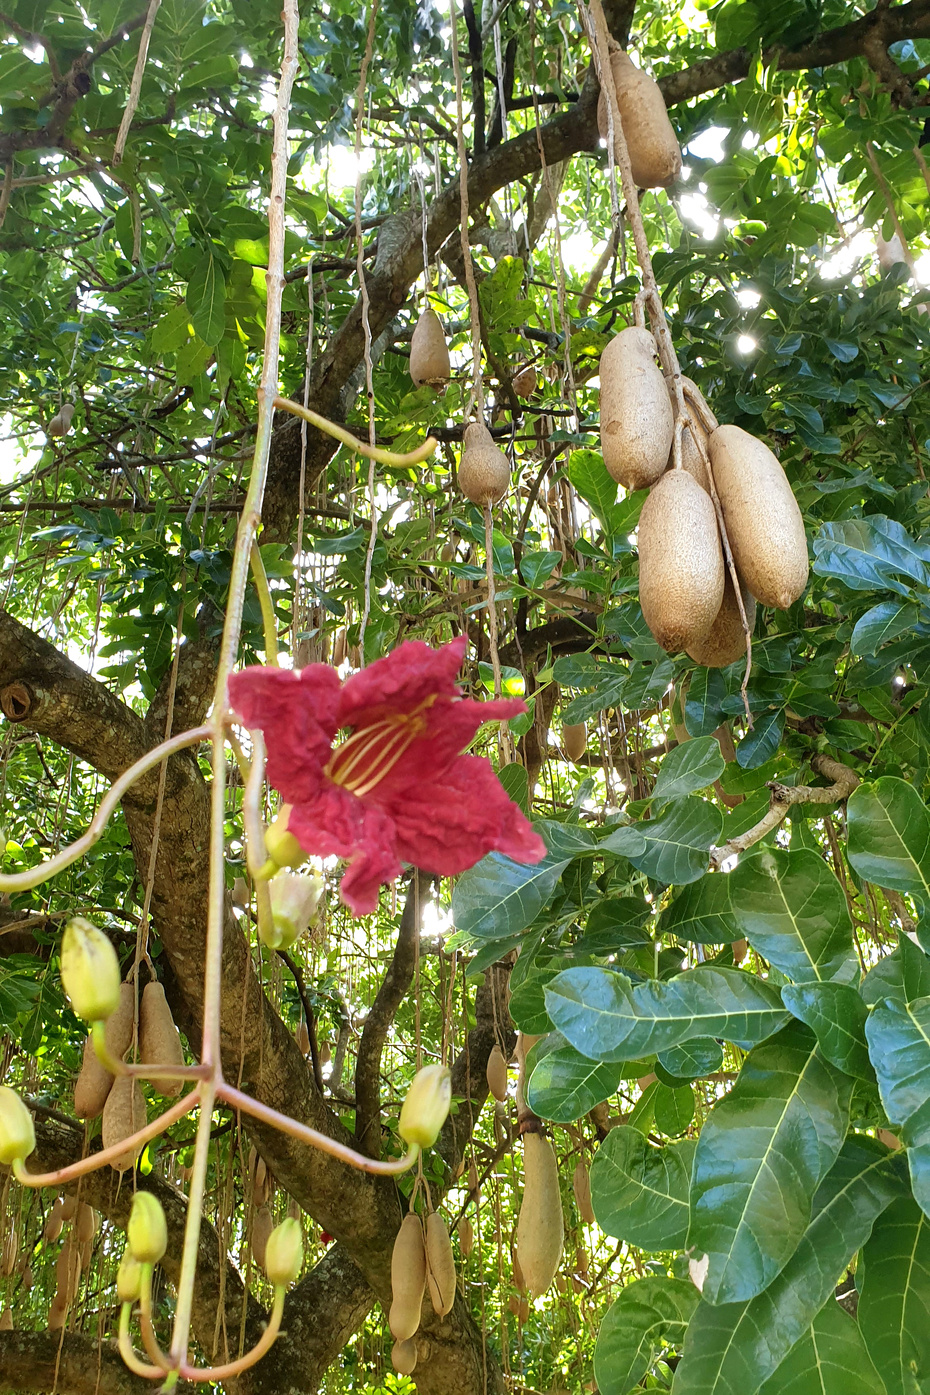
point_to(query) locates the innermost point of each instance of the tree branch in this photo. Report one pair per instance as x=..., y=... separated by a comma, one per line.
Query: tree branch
x=784, y=797
x=67, y=1362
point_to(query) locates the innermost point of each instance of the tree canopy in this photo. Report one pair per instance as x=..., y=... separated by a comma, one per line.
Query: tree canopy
x=714, y=987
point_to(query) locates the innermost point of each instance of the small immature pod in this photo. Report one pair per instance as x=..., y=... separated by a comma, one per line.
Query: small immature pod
x=118, y=1031
x=429, y=353
x=123, y=1115
x=284, y=1253
x=525, y=382
x=404, y=1357
x=637, y=422
x=655, y=156
x=440, y=1264
x=89, y=970
x=497, y=1073
x=408, y=1278
x=575, y=740
x=466, y=1234
x=85, y=1223
x=147, y=1231
x=540, y=1232
x=484, y=470
x=581, y=1186
x=426, y=1107
x=764, y=523
x=262, y=1227
x=159, y=1040
x=681, y=570
x=92, y=1085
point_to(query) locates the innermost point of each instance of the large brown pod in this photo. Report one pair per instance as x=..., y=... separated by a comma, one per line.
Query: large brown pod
x=408, y=1278
x=159, y=1040
x=497, y=1073
x=581, y=1186
x=540, y=1231
x=118, y=1031
x=764, y=523
x=404, y=1356
x=575, y=740
x=484, y=470
x=92, y=1085
x=123, y=1115
x=725, y=641
x=655, y=156
x=637, y=421
x=681, y=568
x=429, y=353
x=440, y=1264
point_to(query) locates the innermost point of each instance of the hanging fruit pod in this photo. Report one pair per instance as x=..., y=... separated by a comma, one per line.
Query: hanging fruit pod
x=484, y=470
x=655, y=155
x=429, y=353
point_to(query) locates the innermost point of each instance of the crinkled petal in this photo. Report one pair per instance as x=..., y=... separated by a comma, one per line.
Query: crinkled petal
x=337, y=824
x=450, y=728
x=450, y=824
x=298, y=715
x=401, y=681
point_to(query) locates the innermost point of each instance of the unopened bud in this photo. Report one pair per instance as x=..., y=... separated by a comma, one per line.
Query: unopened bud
x=295, y=897
x=17, y=1131
x=129, y=1279
x=284, y=1253
x=426, y=1107
x=282, y=847
x=89, y=970
x=147, y=1231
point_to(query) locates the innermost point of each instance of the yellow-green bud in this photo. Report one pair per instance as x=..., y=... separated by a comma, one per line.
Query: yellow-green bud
x=89, y=970
x=129, y=1279
x=295, y=897
x=17, y=1131
x=147, y=1231
x=426, y=1107
x=284, y=1253
x=282, y=847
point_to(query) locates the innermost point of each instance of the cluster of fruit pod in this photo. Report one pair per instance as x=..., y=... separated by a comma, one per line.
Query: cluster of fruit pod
x=685, y=589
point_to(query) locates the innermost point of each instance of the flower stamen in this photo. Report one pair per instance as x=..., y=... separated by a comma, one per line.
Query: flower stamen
x=370, y=753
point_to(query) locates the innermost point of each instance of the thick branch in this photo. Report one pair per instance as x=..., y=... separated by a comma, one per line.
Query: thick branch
x=784, y=797
x=67, y=1362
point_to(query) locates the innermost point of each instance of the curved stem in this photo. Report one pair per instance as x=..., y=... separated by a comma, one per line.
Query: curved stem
x=260, y=578
x=233, y=1368
x=149, y=1340
x=134, y=1363
x=339, y=433
x=25, y=881
x=247, y=1105
x=61, y=1175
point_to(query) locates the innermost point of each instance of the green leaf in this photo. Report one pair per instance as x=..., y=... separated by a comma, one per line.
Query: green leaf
x=588, y=474
x=889, y=836
x=882, y=623
x=688, y=768
x=616, y=924
x=498, y=898
x=677, y=844
x=650, y=1315
x=791, y=908
x=528, y=1004
x=565, y=1085
x=692, y=1059
x=899, y=1046
x=605, y=1017
x=732, y=1348
x=514, y=779
x=536, y=567
x=894, y=1303
x=837, y=1015
x=206, y=299
x=674, y=1109
x=706, y=692
x=901, y=976
x=830, y=1359
x=761, y=1156
x=640, y=1192
x=870, y=554
x=760, y=744
x=702, y=912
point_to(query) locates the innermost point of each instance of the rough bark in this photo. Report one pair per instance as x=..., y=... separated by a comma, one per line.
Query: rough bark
x=65, y=1361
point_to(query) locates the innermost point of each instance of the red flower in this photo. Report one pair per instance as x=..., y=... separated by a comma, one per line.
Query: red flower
x=397, y=789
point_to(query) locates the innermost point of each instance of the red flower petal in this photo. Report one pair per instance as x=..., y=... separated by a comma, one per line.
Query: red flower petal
x=298, y=715
x=449, y=728
x=336, y=824
x=452, y=823
x=401, y=681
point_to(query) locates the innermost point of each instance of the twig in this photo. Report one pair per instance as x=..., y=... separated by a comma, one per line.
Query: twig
x=783, y=799
x=135, y=88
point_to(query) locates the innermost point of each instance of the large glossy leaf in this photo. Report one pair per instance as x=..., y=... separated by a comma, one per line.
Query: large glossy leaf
x=894, y=1304
x=618, y=923
x=498, y=898
x=731, y=1349
x=605, y=1017
x=687, y=768
x=867, y=553
x=206, y=299
x=650, y=1316
x=837, y=1015
x=565, y=1085
x=889, y=836
x=640, y=1192
x=902, y=976
x=702, y=912
x=899, y=1045
x=692, y=1059
x=677, y=844
x=830, y=1359
x=791, y=908
x=882, y=623
x=760, y=1158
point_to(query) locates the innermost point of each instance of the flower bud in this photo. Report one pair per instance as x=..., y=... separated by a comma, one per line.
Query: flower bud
x=89, y=970
x=282, y=847
x=426, y=1107
x=129, y=1279
x=147, y=1231
x=17, y=1131
x=284, y=1253
x=294, y=900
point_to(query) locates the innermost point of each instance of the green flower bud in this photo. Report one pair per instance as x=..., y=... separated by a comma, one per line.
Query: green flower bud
x=129, y=1279
x=17, y=1131
x=426, y=1107
x=89, y=970
x=147, y=1231
x=282, y=847
x=284, y=1253
x=295, y=897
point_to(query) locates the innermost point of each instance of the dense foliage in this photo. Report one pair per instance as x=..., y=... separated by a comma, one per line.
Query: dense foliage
x=724, y=954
